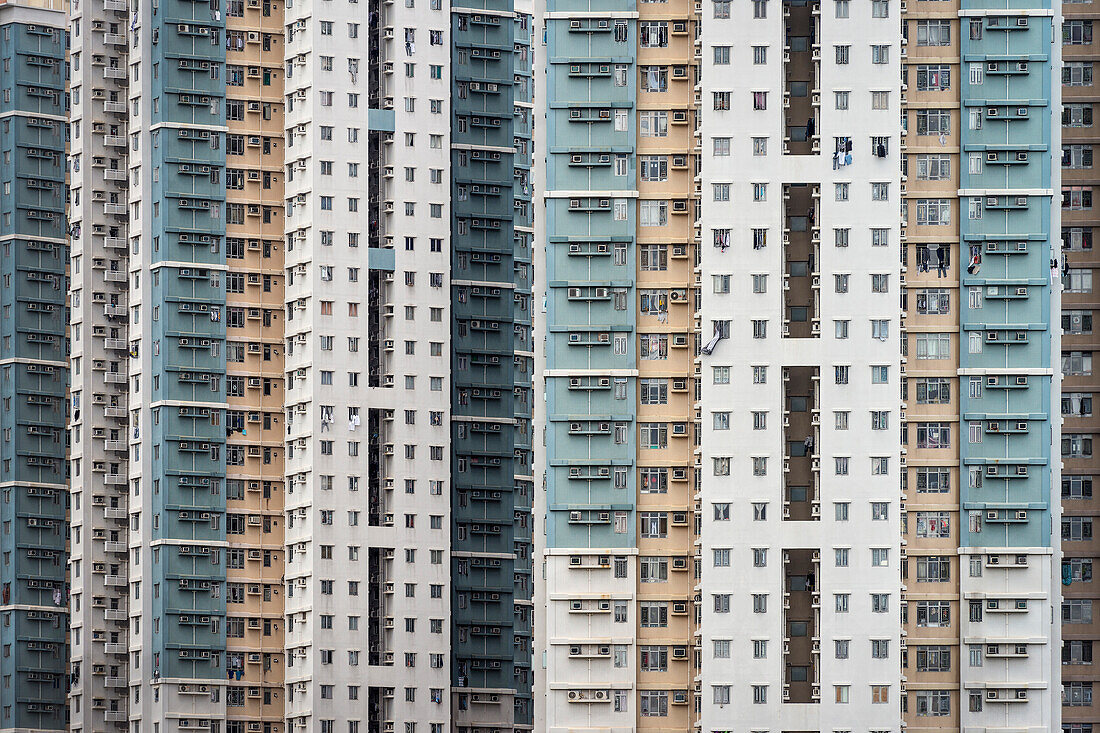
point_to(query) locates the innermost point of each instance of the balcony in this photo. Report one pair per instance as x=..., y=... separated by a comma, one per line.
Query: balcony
x=114, y=174
x=115, y=277
x=114, y=377
x=115, y=512
x=117, y=209
x=117, y=311
x=116, y=5
x=116, y=547
x=114, y=39
x=115, y=682
x=114, y=141
x=115, y=479
x=116, y=614
x=116, y=716
x=115, y=649
x=116, y=344
x=113, y=72
x=115, y=242
x=116, y=107
x=117, y=581
x=119, y=446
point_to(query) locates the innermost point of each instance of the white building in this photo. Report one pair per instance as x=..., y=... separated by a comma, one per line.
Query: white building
x=800, y=397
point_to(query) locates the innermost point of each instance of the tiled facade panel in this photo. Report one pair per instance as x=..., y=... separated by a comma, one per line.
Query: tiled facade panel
x=621, y=211
x=1005, y=356
x=1078, y=181
x=492, y=362
x=33, y=369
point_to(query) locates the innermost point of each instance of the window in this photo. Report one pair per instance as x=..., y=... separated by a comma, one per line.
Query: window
x=1078, y=280
x=933, y=613
x=880, y=54
x=1077, y=363
x=1075, y=156
x=933, y=122
x=932, y=703
x=653, y=213
x=1076, y=487
x=1077, y=115
x=934, y=77
x=933, y=33
x=1077, y=694
x=933, y=524
x=1077, y=73
x=1076, y=445
x=933, y=569
x=653, y=124
x=933, y=301
x=933, y=167
x=933, y=435
x=933, y=346
x=1075, y=529
x=653, y=658
x=1077, y=611
x=654, y=703
x=1077, y=198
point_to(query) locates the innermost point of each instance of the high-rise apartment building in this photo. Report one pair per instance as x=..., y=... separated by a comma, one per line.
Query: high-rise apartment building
x=800, y=591
x=804, y=275
x=304, y=322
x=492, y=365
x=620, y=229
x=1079, y=550
x=150, y=441
x=33, y=366
x=286, y=441
x=981, y=289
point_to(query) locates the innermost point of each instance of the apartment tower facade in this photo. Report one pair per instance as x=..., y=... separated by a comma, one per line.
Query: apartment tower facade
x=1079, y=552
x=33, y=366
x=976, y=641
x=492, y=366
x=621, y=210
x=800, y=551
x=262, y=349
x=979, y=102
